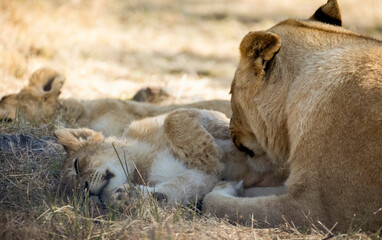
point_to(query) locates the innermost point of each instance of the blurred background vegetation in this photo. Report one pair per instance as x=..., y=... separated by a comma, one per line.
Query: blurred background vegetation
x=112, y=48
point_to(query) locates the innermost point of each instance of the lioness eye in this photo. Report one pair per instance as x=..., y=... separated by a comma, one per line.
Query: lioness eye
x=76, y=166
x=246, y=150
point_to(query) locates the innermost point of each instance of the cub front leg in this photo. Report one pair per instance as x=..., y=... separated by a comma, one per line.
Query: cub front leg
x=182, y=189
x=186, y=188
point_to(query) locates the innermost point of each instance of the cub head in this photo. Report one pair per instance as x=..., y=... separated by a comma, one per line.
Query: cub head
x=151, y=95
x=92, y=162
x=35, y=102
x=270, y=57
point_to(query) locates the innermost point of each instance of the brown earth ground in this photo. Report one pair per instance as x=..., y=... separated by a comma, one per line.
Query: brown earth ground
x=112, y=48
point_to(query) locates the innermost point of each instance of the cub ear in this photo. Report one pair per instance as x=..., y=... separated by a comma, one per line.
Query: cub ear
x=46, y=81
x=75, y=139
x=329, y=13
x=258, y=48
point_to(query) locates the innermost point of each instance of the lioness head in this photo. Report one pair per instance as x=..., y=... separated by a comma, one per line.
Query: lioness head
x=266, y=58
x=91, y=162
x=35, y=102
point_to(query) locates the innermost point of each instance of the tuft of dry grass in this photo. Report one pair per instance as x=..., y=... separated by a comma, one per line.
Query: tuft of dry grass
x=112, y=48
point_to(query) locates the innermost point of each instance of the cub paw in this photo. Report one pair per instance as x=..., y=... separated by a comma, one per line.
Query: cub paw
x=235, y=189
x=214, y=198
x=122, y=196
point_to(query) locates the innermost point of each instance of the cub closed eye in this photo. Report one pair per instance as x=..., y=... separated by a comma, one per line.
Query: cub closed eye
x=76, y=166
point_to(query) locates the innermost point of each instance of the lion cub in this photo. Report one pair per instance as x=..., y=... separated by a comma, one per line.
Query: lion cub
x=179, y=156
x=39, y=102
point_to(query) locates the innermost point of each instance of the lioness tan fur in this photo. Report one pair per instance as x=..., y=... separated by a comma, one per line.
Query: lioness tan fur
x=179, y=156
x=309, y=93
x=38, y=102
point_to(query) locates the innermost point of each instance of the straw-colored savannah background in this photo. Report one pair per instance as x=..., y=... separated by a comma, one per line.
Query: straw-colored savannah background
x=112, y=48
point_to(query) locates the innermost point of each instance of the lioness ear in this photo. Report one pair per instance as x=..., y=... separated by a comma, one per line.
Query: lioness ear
x=328, y=13
x=75, y=139
x=258, y=48
x=46, y=81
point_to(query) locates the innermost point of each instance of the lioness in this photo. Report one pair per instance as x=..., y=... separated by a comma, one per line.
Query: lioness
x=179, y=156
x=309, y=93
x=39, y=102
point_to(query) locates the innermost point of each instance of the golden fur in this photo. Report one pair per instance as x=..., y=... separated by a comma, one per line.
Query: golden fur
x=309, y=94
x=38, y=102
x=180, y=156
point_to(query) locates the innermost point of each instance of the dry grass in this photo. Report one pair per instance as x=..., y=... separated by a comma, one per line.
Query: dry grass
x=31, y=208
x=112, y=48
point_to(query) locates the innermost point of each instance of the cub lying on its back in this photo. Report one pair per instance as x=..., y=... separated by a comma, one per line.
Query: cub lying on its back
x=38, y=102
x=180, y=155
